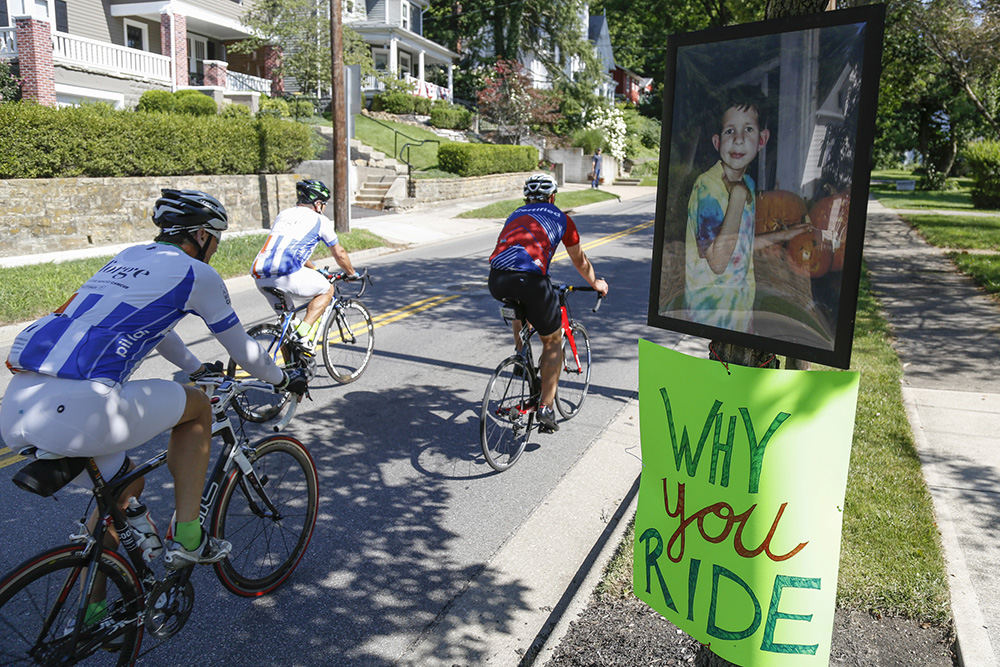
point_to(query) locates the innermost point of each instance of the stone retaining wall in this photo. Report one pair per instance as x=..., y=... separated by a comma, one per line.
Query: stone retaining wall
x=441, y=189
x=51, y=214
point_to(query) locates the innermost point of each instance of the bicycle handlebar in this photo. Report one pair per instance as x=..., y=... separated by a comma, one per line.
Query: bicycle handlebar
x=363, y=277
x=225, y=388
x=563, y=289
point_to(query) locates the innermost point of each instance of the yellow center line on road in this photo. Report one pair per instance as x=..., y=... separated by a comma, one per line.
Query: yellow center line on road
x=607, y=239
x=406, y=311
x=8, y=457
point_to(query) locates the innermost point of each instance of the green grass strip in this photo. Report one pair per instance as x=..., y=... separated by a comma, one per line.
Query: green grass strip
x=384, y=139
x=983, y=269
x=32, y=291
x=958, y=231
x=890, y=561
x=564, y=200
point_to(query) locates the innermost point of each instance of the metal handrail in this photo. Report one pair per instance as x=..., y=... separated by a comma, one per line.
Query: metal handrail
x=398, y=151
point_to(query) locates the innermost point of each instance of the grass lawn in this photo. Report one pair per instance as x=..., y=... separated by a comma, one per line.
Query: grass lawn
x=32, y=291
x=373, y=133
x=957, y=196
x=958, y=231
x=890, y=559
x=984, y=269
x=564, y=200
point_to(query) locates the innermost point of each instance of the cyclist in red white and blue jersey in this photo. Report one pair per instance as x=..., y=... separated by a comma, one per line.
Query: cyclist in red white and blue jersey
x=71, y=393
x=519, y=271
x=283, y=263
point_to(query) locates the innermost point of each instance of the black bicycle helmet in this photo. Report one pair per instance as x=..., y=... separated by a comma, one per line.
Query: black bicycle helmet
x=187, y=210
x=311, y=191
x=540, y=187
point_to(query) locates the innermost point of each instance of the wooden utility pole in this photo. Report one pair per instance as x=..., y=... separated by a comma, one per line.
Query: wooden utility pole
x=338, y=107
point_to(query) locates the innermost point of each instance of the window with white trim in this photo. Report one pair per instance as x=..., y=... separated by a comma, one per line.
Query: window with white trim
x=404, y=8
x=136, y=35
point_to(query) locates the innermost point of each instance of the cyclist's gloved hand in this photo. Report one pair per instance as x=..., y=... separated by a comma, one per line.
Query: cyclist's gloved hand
x=295, y=381
x=207, y=369
x=354, y=276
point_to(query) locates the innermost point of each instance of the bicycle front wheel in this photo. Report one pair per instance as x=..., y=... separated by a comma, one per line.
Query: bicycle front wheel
x=40, y=603
x=507, y=414
x=270, y=526
x=261, y=405
x=348, y=340
x=574, y=381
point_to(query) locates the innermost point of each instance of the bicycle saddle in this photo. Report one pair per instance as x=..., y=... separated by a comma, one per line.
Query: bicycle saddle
x=284, y=304
x=511, y=310
x=48, y=473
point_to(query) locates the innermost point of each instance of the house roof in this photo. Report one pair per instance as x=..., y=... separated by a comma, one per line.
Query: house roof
x=375, y=33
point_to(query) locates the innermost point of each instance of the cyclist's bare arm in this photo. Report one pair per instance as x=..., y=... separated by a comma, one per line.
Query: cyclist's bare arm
x=343, y=261
x=586, y=269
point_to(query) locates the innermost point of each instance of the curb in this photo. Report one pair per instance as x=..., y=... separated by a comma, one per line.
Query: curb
x=972, y=643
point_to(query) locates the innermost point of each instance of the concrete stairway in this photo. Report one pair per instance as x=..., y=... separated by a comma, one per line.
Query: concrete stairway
x=369, y=157
x=627, y=181
x=372, y=193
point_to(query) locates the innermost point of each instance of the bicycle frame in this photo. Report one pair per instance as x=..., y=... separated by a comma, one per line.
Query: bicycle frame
x=527, y=330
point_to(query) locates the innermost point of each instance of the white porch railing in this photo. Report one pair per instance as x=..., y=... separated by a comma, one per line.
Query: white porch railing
x=420, y=88
x=107, y=57
x=239, y=82
x=8, y=42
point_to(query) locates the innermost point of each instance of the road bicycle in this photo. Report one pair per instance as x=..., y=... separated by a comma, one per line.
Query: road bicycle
x=346, y=336
x=261, y=497
x=508, y=411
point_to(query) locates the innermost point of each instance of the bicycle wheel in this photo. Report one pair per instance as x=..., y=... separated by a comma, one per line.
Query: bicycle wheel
x=507, y=414
x=348, y=340
x=574, y=381
x=261, y=405
x=40, y=601
x=267, y=543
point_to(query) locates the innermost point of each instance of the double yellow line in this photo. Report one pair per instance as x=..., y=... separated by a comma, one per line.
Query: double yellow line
x=7, y=457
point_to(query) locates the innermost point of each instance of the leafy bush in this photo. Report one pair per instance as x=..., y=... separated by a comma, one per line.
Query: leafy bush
x=589, y=140
x=235, y=111
x=478, y=159
x=43, y=142
x=157, y=100
x=394, y=101
x=302, y=109
x=421, y=106
x=195, y=103
x=451, y=117
x=10, y=86
x=983, y=159
x=931, y=178
x=274, y=107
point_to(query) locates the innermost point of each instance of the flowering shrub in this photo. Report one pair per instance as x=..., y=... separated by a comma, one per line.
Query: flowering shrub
x=611, y=122
x=10, y=85
x=510, y=100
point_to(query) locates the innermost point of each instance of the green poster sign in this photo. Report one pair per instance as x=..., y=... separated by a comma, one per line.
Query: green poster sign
x=737, y=532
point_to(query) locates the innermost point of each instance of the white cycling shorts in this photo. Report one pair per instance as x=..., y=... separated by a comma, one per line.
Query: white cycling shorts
x=87, y=418
x=305, y=283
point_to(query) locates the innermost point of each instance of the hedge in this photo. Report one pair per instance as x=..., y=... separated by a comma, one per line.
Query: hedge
x=451, y=118
x=479, y=159
x=983, y=159
x=43, y=142
x=398, y=102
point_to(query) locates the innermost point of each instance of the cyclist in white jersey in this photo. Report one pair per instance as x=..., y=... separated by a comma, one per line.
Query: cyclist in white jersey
x=71, y=393
x=283, y=263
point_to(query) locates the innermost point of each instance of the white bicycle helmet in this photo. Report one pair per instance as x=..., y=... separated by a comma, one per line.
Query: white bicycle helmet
x=540, y=187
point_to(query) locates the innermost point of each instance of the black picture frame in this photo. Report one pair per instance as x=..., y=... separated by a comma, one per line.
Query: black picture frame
x=814, y=84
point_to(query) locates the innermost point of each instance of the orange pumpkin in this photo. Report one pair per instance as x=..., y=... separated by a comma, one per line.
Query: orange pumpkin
x=831, y=213
x=778, y=209
x=808, y=254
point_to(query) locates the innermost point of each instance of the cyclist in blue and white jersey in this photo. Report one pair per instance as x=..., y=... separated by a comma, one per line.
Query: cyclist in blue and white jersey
x=71, y=393
x=283, y=263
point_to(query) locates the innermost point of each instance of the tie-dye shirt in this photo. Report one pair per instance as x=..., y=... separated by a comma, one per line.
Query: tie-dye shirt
x=724, y=299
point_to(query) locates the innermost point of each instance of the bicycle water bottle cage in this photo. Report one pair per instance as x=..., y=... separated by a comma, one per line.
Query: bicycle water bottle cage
x=46, y=476
x=511, y=310
x=283, y=304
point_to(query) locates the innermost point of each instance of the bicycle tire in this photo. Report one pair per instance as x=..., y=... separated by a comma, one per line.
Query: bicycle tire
x=574, y=380
x=507, y=413
x=49, y=584
x=348, y=341
x=260, y=405
x=267, y=550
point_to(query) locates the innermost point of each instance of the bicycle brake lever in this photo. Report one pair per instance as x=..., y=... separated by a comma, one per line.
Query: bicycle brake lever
x=600, y=300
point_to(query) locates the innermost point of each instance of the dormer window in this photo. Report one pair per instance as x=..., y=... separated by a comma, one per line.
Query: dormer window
x=405, y=12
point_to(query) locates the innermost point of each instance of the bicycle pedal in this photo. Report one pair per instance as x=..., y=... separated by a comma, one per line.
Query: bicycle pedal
x=545, y=429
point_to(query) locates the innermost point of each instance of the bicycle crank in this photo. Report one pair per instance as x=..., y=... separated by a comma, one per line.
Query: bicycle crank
x=169, y=604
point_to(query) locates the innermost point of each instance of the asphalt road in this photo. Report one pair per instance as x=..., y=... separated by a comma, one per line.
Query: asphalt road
x=410, y=512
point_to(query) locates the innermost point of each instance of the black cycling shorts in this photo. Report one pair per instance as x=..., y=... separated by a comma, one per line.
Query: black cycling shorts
x=535, y=294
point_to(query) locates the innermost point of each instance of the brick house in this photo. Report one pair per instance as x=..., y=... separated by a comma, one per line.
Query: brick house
x=630, y=86
x=113, y=50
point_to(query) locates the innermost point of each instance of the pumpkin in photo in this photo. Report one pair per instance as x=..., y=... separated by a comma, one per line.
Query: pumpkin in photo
x=809, y=254
x=777, y=210
x=831, y=213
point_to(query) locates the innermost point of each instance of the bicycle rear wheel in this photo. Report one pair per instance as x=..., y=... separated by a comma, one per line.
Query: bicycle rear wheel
x=261, y=405
x=269, y=528
x=40, y=603
x=348, y=340
x=507, y=413
x=574, y=381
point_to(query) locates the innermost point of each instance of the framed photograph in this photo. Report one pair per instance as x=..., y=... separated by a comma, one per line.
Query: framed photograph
x=763, y=183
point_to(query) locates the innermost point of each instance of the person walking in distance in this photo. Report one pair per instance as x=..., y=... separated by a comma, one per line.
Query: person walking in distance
x=597, y=161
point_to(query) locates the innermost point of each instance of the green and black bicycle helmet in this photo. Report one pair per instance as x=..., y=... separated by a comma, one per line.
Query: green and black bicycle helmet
x=540, y=187
x=179, y=211
x=311, y=191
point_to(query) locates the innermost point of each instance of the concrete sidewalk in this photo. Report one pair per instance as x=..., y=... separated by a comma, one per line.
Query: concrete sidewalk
x=948, y=337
